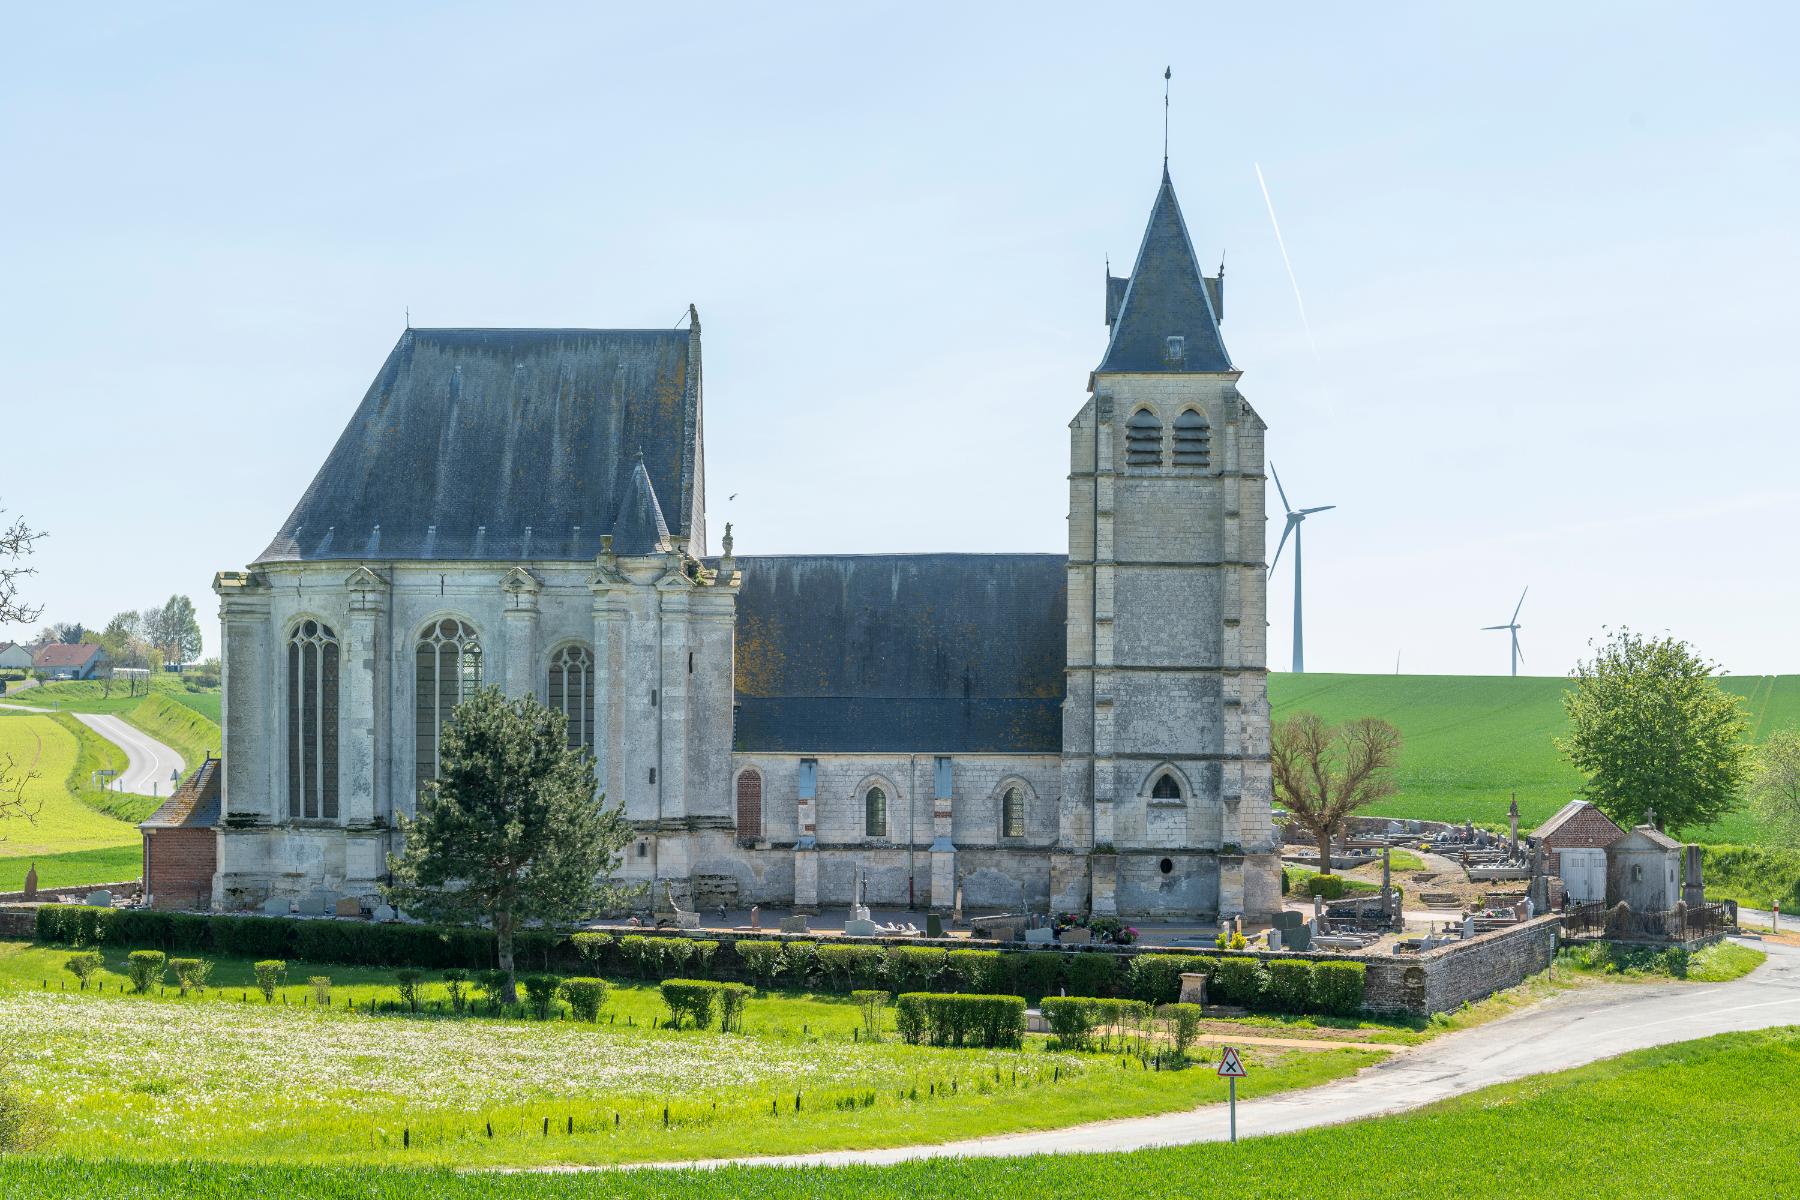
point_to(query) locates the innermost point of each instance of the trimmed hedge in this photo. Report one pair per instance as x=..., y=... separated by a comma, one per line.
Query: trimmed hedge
x=914, y=968
x=701, y=999
x=1036, y=973
x=1239, y=981
x=1337, y=987
x=1290, y=985
x=943, y=1019
x=586, y=997
x=1093, y=974
x=1071, y=1020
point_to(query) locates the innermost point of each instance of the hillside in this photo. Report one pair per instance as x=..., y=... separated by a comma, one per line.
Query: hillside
x=1471, y=741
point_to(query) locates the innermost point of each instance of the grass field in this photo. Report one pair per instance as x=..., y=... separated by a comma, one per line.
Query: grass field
x=232, y=1077
x=62, y=823
x=1472, y=741
x=1710, y=1118
x=89, y=695
x=74, y=868
x=184, y=730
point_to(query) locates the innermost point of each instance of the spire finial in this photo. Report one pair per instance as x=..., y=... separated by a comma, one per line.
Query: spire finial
x=1166, y=73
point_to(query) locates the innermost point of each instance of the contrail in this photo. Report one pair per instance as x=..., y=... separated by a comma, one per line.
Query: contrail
x=1285, y=260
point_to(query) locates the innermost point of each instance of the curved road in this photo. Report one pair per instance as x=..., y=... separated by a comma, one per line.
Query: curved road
x=1569, y=1030
x=147, y=761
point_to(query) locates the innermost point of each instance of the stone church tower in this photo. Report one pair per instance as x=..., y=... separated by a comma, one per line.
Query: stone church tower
x=1165, y=779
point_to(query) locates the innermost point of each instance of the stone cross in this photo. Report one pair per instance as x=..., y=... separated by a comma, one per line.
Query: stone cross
x=1387, y=882
x=755, y=918
x=31, y=884
x=1650, y=817
x=1512, y=819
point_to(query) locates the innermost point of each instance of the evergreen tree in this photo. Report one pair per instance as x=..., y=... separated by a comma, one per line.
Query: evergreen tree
x=1652, y=729
x=512, y=830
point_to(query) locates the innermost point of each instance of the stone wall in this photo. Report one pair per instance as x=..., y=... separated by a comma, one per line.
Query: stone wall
x=1439, y=980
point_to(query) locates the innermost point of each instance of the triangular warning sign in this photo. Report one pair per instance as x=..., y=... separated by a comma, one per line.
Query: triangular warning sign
x=1231, y=1066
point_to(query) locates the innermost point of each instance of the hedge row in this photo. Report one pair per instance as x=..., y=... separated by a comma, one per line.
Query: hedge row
x=948, y=1019
x=700, y=999
x=838, y=966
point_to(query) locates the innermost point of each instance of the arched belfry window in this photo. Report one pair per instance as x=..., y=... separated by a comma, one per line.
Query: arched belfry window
x=447, y=672
x=749, y=804
x=1012, y=813
x=571, y=692
x=1193, y=440
x=1166, y=788
x=1143, y=439
x=875, y=812
x=312, y=722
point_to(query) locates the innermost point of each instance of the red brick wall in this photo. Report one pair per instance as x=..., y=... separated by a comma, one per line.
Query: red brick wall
x=178, y=867
x=1588, y=828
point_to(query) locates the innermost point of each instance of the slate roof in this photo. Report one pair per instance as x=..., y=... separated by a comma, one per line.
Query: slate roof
x=507, y=444
x=1166, y=296
x=195, y=804
x=640, y=527
x=1567, y=813
x=1653, y=835
x=910, y=653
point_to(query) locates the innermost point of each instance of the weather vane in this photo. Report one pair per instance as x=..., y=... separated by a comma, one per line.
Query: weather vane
x=1166, y=73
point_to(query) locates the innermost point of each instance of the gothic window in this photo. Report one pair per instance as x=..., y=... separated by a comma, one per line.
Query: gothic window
x=749, y=804
x=1012, y=814
x=1143, y=439
x=1193, y=440
x=447, y=672
x=572, y=692
x=1166, y=789
x=312, y=722
x=875, y=812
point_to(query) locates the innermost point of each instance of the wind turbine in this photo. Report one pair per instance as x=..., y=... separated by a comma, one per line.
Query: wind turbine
x=1295, y=517
x=1512, y=627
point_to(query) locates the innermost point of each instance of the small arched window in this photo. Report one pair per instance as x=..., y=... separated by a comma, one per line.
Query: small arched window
x=572, y=692
x=312, y=722
x=1166, y=789
x=1143, y=439
x=1193, y=440
x=875, y=812
x=749, y=804
x=447, y=671
x=1012, y=814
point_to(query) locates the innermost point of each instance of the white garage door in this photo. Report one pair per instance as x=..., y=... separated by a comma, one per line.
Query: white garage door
x=1584, y=874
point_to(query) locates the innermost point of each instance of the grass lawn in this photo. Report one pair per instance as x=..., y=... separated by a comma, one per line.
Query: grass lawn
x=1720, y=962
x=231, y=1077
x=62, y=822
x=1471, y=741
x=74, y=869
x=1709, y=1118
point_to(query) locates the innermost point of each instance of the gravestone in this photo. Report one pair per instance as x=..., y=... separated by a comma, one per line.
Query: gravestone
x=277, y=906
x=1077, y=936
x=384, y=912
x=317, y=903
x=1297, y=938
x=755, y=918
x=1193, y=988
x=1693, y=889
x=795, y=924
x=934, y=925
x=31, y=883
x=1274, y=937
x=1041, y=937
x=1468, y=927
x=1288, y=919
x=99, y=899
x=349, y=906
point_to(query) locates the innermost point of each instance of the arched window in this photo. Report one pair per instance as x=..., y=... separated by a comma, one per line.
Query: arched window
x=1193, y=440
x=1166, y=789
x=312, y=722
x=448, y=671
x=1143, y=439
x=875, y=812
x=572, y=692
x=1012, y=814
x=749, y=804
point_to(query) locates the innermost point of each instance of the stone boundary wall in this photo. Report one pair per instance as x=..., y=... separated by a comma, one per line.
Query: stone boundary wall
x=1439, y=980
x=75, y=895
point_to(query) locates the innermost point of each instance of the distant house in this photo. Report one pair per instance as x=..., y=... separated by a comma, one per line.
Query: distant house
x=63, y=660
x=14, y=657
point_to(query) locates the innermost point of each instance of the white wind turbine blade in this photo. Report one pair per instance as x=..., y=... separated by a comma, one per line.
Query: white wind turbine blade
x=1279, y=546
x=1321, y=508
x=1280, y=492
x=1521, y=604
x=1486, y=628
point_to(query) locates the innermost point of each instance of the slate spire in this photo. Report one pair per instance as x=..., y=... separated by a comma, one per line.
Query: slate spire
x=1166, y=320
x=639, y=529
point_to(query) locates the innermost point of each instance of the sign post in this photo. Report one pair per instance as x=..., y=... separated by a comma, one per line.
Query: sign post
x=1231, y=1069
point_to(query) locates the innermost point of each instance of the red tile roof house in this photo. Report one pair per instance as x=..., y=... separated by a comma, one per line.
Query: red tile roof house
x=61, y=660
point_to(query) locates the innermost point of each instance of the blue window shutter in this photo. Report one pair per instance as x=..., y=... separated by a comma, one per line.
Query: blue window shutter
x=943, y=778
x=809, y=778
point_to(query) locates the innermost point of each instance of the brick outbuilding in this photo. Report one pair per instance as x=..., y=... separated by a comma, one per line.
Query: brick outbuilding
x=181, y=842
x=1577, y=825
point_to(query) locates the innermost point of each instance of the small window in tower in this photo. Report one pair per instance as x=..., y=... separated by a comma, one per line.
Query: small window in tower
x=1174, y=349
x=1193, y=440
x=1143, y=439
x=1166, y=789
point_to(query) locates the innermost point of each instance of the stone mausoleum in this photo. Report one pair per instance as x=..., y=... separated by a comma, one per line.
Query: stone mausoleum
x=527, y=508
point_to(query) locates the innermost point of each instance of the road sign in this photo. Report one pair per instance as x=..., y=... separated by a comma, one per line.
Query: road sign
x=1231, y=1066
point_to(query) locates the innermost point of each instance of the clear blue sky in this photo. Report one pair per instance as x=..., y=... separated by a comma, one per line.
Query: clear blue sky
x=1548, y=252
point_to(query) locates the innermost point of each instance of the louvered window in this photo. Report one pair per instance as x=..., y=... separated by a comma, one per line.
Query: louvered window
x=447, y=672
x=1166, y=789
x=1193, y=440
x=572, y=692
x=749, y=804
x=312, y=723
x=1143, y=439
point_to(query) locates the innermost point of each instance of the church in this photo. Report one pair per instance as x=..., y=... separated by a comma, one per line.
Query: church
x=1080, y=732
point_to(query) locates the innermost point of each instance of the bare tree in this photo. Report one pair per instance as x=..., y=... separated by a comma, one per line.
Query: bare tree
x=1324, y=772
x=14, y=779
x=16, y=541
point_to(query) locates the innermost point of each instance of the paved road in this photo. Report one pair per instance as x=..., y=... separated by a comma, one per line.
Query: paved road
x=1567, y=1031
x=147, y=761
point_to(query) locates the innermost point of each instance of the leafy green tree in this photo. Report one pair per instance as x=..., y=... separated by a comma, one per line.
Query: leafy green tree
x=1775, y=785
x=174, y=630
x=512, y=829
x=1652, y=729
x=1322, y=772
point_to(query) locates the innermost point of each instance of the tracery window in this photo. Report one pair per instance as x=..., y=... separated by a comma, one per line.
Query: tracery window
x=1166, y=789
x=875, y=812
x=571, y=692
x=1012, y=814
x=1193, y=440
x=1143, y=439
x=749, y=804
x=312, y=722
x=447, y=672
